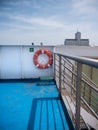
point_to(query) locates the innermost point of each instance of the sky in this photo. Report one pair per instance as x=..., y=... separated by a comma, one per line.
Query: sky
x=47, y=21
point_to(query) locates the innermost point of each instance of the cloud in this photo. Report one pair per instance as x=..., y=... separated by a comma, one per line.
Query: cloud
x=40, y=35
x=11, y=27
x=46, y=22
x=85, y=8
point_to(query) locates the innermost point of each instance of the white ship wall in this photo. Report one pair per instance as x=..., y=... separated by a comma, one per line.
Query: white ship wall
x=16, y=62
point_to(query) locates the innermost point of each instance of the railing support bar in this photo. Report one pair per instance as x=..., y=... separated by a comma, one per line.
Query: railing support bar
x=54, y=65
x=78, y=95
x=60, y=74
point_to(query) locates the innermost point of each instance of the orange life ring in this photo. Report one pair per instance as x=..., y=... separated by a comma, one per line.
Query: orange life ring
x=40, y=65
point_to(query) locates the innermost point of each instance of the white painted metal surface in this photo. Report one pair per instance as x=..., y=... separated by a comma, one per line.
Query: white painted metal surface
x=17, y=62
x=10, y=62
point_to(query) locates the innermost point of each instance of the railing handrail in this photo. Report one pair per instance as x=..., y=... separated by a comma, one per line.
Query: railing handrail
x=80, y=59
x=63, y=68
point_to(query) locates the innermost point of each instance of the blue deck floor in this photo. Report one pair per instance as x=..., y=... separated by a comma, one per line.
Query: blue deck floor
x=31, y=106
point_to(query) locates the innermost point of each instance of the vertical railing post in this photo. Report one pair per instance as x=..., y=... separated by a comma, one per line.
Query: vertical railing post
x=54, y=66
x=60, y=73
x=78, y=95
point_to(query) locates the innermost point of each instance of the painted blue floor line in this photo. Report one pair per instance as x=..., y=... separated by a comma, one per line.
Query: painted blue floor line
x=52, y=118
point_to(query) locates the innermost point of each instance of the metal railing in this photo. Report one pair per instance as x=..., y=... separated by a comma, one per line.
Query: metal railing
x=75, y=85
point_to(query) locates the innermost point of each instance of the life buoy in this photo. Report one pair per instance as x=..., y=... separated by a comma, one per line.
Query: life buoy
x=41, y=65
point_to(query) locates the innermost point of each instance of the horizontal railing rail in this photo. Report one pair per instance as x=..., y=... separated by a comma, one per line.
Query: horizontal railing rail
x=82, y=60
x=69, y=76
